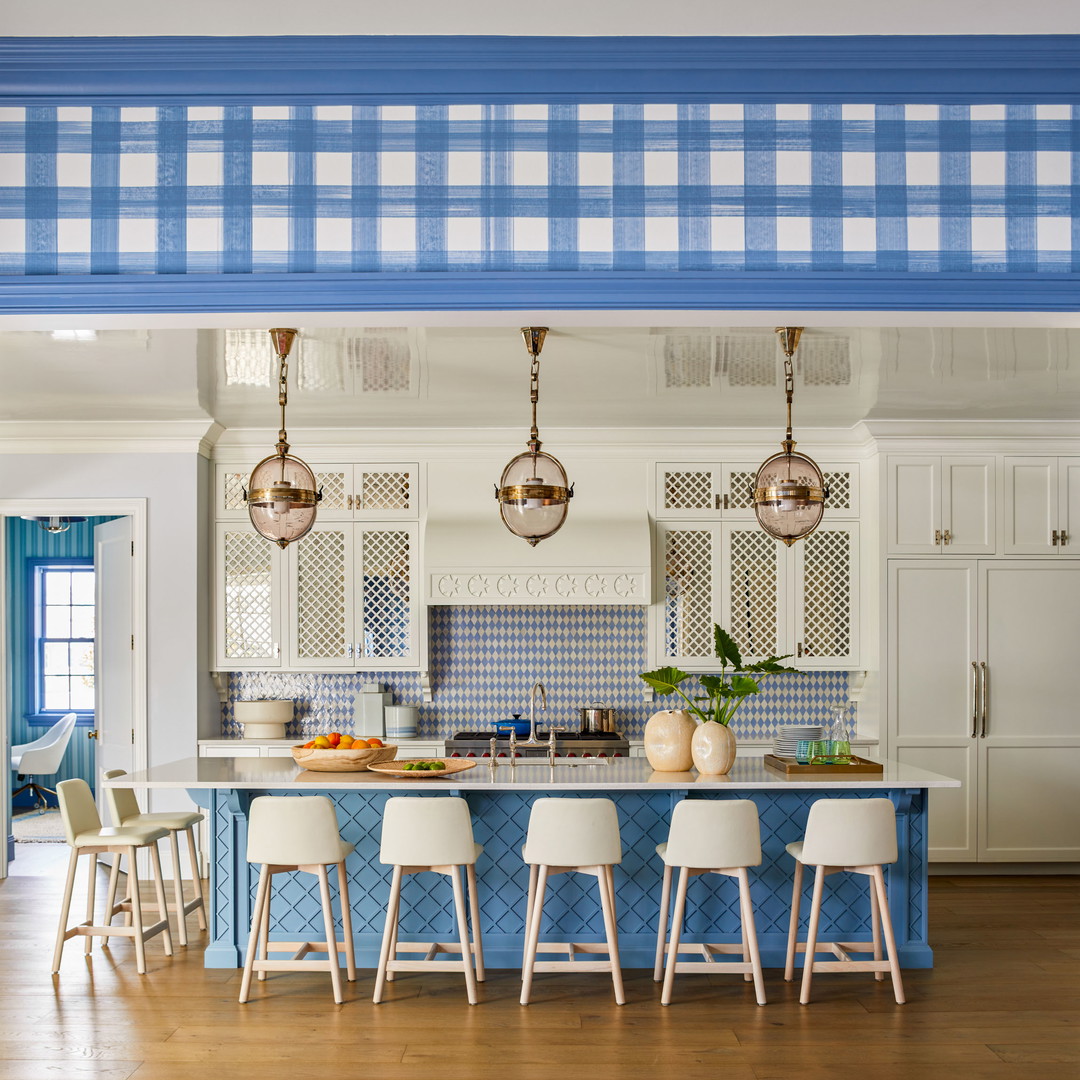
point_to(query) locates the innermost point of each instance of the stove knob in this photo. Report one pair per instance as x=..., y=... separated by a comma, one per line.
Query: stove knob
x=486, y=753
x=601, y=754
x=501, y=753
x=455, y=754
x=618, y=753
x=571, y=754
x=470, y=754
x=585, y=754
x=517, y=753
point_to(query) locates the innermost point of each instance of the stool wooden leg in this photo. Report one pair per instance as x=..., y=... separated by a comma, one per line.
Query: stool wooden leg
x=533, y=938
x=389, y=934
x=793, y=925
x=91, y=891
x=811, y=935
x=750, y=934
x=346, y=922
x=474, y=918
x=747, y=977
x=110, y=896
x=890, y=940
x=65, y=909
x=530, y=901
x=875, y=925
x=662, y=925
x=331, y=934
x=136, y=909
x=264, y=921
x=159, y=893
x=606, y=881
x=676, y=935
x=196, y=878
x=178, y=888
x=253, y=937
x=463, y=934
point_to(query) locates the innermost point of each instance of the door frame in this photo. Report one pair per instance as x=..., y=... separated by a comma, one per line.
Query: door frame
x=136, y=509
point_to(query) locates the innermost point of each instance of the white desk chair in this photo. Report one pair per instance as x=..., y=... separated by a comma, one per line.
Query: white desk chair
x=580, y=836
x=287, y=834
x=124, y=808
x=86, y=836
x=431, y=834
x=42, y=757
x=856, y=836
x=709, y=837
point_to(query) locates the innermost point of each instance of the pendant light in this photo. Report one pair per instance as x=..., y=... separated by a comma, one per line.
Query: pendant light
x=533, y=493
x=789, y=492
x=281, y=495
x=53, y=524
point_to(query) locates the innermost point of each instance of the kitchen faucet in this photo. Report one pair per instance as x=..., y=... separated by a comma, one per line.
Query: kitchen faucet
x=532, y=740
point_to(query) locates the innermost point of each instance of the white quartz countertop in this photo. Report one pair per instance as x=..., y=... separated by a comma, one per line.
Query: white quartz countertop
x=618, y=774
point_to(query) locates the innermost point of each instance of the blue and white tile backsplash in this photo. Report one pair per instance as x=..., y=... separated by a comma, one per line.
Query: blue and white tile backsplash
x=484, y=660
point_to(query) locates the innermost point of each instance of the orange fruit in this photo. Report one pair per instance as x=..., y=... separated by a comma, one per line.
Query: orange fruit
x=374, y=742
x=334, y=738
x=361, y=744
x=309, y=745
x=346, y=742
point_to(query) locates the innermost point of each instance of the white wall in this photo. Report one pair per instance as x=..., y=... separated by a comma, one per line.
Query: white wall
x=556, y=17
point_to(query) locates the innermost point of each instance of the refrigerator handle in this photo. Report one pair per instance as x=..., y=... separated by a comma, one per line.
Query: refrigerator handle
x=985, y=695
x=974, y=699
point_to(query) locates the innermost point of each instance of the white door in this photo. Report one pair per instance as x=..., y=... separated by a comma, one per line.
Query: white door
x=113, y=645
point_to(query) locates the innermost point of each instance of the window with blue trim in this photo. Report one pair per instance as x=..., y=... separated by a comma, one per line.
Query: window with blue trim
x=63, y=627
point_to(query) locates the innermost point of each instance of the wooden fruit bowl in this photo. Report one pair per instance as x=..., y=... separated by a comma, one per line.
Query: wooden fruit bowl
x=341, y=760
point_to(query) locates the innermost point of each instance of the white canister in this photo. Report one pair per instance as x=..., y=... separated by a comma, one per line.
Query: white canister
x=369, y=710
x=263, y=719
x=401, y=722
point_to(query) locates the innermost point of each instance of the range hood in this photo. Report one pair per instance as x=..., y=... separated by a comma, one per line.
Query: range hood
x=602, y=555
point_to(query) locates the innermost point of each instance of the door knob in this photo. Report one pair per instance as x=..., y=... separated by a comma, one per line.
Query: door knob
x=92, y=733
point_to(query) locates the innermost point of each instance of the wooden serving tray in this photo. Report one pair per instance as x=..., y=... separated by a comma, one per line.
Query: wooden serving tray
x=790, y=766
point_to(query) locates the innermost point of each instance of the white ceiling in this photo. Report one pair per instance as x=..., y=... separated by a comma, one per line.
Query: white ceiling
x=591, y=377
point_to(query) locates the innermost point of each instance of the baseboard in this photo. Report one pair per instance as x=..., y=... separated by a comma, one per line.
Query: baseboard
x=1042, y=869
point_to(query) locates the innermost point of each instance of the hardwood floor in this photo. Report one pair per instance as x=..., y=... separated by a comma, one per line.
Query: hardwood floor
x=1003, y=1003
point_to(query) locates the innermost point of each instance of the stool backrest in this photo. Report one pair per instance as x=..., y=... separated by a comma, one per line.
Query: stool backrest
x=122, y=802
x=77, y=808
x=573, y=832
x=293, y=830
x=714, y=833
x=850, y=832
x=427, y=831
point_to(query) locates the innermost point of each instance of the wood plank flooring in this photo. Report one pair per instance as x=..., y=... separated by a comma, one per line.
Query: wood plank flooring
x=1003, y=1003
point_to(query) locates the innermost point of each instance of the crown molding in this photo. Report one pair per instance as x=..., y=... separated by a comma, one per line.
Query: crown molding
x=109, y=437
x=469, y=68
x=983, y=436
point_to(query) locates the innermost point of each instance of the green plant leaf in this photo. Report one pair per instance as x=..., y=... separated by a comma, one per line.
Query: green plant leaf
x=713, y=684
x=664, y=680
x=725, y=647
x=743, y=684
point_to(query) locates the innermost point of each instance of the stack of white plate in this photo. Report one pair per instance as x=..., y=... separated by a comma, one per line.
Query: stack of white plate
x=788, y=736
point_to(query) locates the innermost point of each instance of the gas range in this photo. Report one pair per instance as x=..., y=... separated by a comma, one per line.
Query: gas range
x=477, y=744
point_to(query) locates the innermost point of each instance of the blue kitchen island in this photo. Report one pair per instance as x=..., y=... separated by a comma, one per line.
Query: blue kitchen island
x=500, y=799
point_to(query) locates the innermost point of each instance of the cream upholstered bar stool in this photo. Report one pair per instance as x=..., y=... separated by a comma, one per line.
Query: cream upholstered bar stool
x=856, y=836
x=580, y=836
x=431, y=834
x=709, y=837
x=86, y=836
x=124, y=808
x=288, y=834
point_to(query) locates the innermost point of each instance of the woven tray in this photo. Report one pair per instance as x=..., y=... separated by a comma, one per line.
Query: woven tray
x=859, y=765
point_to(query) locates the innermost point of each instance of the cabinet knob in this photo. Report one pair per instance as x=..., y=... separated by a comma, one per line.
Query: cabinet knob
x=92, y=733
x=1054, y=538
x=946, y=537
x=937, y=536
x=1063, y=538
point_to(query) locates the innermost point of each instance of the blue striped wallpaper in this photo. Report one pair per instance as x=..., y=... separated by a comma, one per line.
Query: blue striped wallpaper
x=240, y=189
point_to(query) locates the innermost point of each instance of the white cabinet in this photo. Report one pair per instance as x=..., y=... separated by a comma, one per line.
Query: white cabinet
x=248, y=575
x=979, y=657
x=940, y=505
x=1042, y=505
x=700, y=490
x=800, y=600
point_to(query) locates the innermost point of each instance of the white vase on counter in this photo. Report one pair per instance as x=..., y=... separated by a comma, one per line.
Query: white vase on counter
x=713, y=748
x=668, y=735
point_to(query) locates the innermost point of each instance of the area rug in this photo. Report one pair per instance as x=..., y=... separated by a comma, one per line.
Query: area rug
x=35, y=828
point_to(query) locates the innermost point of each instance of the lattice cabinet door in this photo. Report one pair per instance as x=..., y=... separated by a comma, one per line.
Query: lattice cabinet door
x=388, y=607
x=755, y=607
x=826, y=597
x=688, y=565
x=229, y=486
x=321, y=598
x=248, y=594
x=386, y=492
x=335, y=483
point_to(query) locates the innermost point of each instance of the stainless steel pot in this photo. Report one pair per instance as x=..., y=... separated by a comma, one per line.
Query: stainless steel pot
x=597, y=716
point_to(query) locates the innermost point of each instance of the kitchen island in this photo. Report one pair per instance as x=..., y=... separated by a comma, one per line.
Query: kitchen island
x=499, y=800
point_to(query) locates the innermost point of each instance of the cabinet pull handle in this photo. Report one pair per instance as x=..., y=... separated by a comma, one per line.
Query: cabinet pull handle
x=798, y=649
x=1054, y=538
x=946, y=537
x=985, y=695
x=937, y=536
x=1063, y=538
x=974, y=699
x=720, y=500
x=348, y=650
x=348, y=502
x=277, y=650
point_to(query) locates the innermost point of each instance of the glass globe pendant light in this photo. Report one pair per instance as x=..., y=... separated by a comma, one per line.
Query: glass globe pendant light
x=789, y=492
x=281, y=496
x=533, y=493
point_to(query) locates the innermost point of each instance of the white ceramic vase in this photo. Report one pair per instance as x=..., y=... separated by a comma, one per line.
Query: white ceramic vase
x=713, y=748
x=668, y=735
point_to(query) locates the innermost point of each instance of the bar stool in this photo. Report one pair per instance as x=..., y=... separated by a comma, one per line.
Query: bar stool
x=857, y=836
x=419, y=834
x=709, y=837
x=125, y=811
x=580, y=836
x=86, y=836
x=288, y=834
